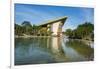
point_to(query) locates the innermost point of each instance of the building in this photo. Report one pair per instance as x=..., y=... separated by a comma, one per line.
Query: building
x=54, y=26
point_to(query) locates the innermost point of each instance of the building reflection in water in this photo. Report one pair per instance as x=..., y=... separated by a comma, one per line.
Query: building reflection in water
x=55, y=46
x=62, y=52
x=51, y=50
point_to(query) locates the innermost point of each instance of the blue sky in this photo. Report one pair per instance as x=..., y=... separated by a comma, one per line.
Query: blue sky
x=37, y=14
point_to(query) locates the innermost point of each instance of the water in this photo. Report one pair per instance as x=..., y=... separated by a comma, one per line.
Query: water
x=40, y=50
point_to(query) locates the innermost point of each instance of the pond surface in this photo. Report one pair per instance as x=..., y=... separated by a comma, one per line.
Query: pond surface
x=40, y=50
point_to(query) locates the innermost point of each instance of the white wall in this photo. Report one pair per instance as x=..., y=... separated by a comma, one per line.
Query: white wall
x=55, y=27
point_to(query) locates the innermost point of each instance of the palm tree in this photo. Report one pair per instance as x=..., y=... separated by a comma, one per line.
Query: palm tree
x=18, y=30
x=35, y=29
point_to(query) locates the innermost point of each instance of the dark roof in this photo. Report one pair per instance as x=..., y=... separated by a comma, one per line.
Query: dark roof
x=55, y=20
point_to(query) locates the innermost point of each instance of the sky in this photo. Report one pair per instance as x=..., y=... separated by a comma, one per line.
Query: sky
x=37, y=14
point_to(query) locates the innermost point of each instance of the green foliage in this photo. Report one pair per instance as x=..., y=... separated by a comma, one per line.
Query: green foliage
x=80, y=47
x=24, y=28
x=18, y=29
x=68, y=32
x=28, y=29
x=35, y=30
x=83, y=31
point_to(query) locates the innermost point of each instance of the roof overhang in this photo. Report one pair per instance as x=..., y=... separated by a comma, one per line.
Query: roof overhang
x=63, y=19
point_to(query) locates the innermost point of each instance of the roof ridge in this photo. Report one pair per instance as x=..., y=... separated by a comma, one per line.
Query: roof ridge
x=48, y=21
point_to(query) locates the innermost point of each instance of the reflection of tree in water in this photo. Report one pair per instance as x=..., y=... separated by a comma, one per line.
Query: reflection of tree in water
x=81, y=48
x=34, y=49
x=34, y=42
x=23, y=44
x=50, y=49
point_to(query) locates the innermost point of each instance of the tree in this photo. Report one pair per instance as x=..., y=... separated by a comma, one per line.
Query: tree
x=85, y=29
x=27, y=27
x=35, y=29
x=69, y=32
x=43, y=31
x=18, y=29
x=26, y=23
x=82, y=31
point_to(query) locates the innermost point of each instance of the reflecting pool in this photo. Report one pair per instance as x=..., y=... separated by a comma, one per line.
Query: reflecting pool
x=40, y=50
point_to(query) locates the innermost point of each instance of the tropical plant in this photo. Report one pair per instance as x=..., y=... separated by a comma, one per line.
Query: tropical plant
x=27, y=27
x=84, y=30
